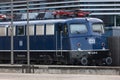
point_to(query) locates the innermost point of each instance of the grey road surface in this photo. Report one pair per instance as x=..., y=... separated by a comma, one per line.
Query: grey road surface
x=16, y=76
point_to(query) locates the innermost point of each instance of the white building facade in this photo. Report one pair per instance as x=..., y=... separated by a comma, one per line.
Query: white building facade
x=108, y=10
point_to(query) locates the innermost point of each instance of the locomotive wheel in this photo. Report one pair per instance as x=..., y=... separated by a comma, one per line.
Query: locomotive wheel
x=84, y=61
x=108, y=60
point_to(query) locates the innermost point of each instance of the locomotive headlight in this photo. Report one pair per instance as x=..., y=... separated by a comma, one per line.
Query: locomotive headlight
x=103, y=45
x=91, y=41
x=78, y=45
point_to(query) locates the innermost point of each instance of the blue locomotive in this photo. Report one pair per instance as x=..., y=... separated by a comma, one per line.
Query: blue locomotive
x=56, y=41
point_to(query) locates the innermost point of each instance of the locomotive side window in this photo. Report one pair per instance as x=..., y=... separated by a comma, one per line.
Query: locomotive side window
x=10, y=31
x=20, y=30
x=98, y=28
x=78, y=28
x=2, y=31
x=40, y=29
x=49, y=29
x=31, y=30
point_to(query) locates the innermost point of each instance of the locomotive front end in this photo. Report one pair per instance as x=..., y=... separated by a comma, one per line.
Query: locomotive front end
x=99, y=53
x=88, y=45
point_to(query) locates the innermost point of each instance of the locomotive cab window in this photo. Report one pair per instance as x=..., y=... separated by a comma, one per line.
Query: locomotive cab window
x=78, y=28
x=20, y=30
x=98, y=28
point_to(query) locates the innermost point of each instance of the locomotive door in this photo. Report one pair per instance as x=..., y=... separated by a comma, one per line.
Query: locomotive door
x=62, y=36
x=65, y=38
x=59, y=31
x=62, y=41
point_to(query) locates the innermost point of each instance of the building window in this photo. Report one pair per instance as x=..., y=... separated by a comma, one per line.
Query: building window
x=49, y=29
x=20, y=30
x=40, y=29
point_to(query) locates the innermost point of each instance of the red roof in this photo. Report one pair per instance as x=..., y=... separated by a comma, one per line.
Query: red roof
x=77, y=13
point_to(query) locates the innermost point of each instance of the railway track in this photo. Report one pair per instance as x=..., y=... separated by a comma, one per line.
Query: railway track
x=60, y=69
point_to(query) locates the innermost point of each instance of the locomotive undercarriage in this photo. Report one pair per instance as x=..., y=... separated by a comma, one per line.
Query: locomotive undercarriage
x=91, y=58
x=43, y=58
x=59, y=57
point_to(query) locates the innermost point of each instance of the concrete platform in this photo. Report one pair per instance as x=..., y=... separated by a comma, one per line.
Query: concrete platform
x=19, y=76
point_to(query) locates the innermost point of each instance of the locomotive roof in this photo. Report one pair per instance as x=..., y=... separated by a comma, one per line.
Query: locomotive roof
x=50, y=21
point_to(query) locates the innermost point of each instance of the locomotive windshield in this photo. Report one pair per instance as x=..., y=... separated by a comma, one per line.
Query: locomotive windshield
x=78, y=28
x=98, y=28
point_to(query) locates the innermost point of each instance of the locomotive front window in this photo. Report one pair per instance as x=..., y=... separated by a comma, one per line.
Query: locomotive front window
x=98, y=28
x=78, y=28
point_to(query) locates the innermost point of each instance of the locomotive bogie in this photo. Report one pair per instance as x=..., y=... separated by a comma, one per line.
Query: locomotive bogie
x=91, y=57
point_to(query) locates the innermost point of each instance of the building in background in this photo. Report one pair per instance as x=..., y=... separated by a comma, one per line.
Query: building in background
x=108, y=10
